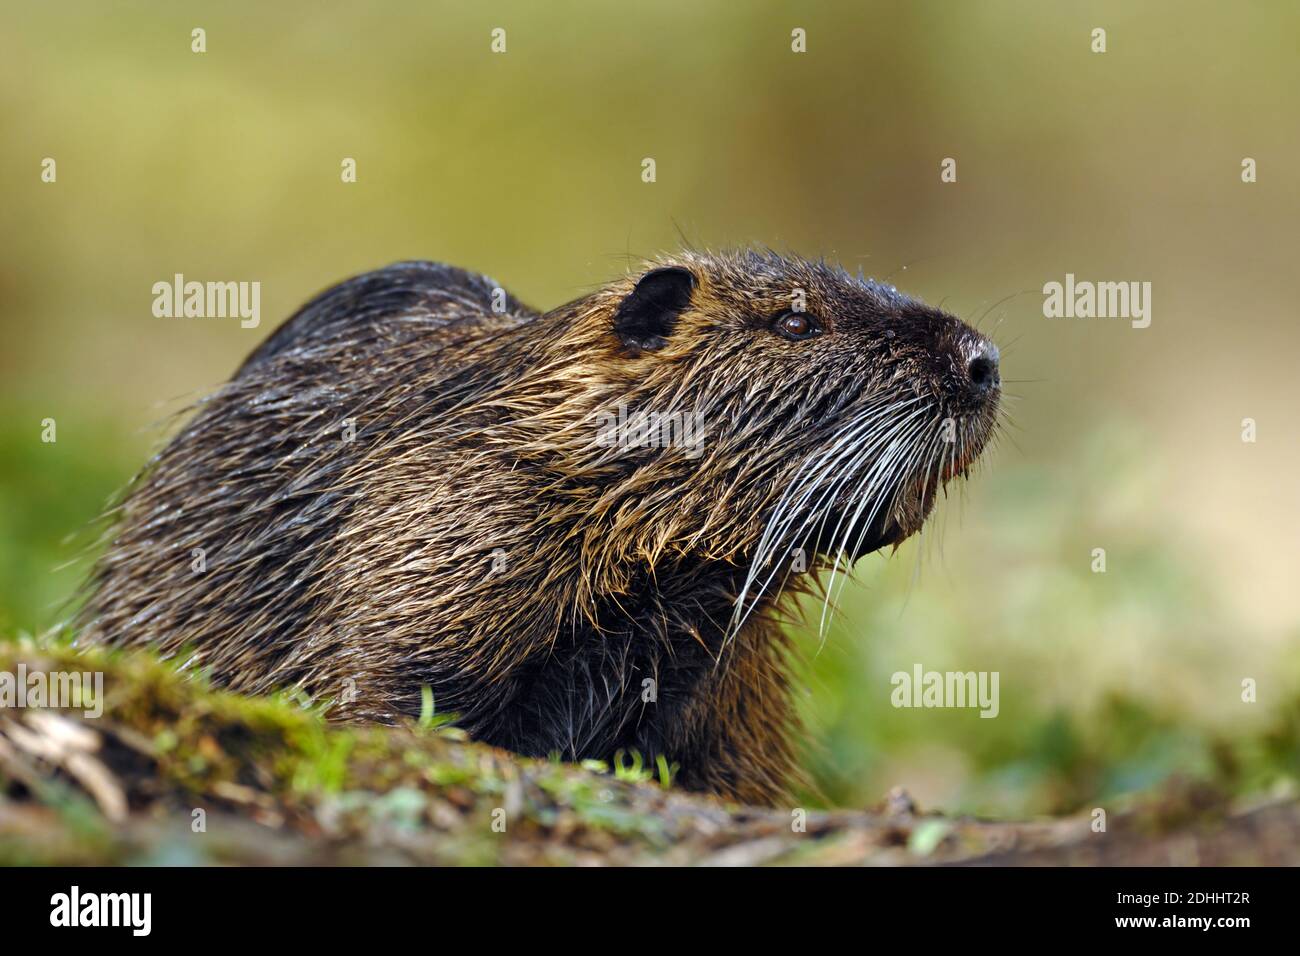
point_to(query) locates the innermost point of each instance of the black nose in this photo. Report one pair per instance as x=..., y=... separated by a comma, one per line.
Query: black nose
x=983, y=370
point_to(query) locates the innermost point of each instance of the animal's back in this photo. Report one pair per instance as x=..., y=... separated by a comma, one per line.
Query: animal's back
x=226, y=544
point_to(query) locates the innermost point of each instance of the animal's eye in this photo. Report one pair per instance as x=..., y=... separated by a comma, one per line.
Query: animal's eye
x=797, y=325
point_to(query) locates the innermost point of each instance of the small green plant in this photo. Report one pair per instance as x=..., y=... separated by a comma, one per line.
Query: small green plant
x=667, y=771
x=629, y=766
x=430, y=720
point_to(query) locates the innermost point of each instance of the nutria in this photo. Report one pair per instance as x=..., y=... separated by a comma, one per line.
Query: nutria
x=419, y=482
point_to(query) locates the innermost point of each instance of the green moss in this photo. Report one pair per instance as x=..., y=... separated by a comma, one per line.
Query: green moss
x=175, y=744
x=213, y=777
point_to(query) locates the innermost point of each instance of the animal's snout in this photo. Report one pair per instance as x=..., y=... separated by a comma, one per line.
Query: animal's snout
x=982, y=370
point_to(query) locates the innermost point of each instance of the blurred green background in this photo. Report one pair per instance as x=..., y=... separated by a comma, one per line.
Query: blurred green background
x=526, y=165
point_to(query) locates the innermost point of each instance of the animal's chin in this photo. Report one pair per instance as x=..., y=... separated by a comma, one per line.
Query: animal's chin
x=843, y=532
x=853, y=529
x=889, y=534
x=856, y=542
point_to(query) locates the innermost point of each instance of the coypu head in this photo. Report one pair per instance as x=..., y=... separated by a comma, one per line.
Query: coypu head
x=813, y=409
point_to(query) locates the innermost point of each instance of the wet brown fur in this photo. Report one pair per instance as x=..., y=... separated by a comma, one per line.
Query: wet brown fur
x=476, y=537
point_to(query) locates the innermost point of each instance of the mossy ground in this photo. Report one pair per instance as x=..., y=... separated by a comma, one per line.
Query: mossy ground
x=174, y=772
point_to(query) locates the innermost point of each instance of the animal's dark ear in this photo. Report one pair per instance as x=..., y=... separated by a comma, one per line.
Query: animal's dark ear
x=645, y=319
